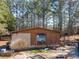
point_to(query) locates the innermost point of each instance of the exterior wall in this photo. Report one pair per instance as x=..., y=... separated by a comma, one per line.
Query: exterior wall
x=20, y=41
x=52, y=37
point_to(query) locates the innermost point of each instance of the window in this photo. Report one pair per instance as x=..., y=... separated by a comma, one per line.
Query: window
x=41, y=37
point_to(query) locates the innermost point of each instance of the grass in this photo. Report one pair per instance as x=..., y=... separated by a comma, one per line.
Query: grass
x=39, y=51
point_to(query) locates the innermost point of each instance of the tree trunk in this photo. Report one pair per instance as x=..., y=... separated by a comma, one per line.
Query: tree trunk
x=60, y=16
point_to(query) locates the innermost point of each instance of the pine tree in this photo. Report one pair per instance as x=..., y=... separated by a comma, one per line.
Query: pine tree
x=5, y=16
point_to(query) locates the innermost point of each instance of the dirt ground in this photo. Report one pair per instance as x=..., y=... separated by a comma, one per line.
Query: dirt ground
x=3, y=43
x=27, y=54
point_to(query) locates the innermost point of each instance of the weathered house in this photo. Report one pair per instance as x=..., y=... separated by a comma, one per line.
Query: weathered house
x=36, y=37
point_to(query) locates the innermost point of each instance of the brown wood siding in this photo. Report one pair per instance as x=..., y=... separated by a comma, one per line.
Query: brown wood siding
x=52, y=37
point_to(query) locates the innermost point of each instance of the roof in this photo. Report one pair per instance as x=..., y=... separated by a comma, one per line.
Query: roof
x=34, y=29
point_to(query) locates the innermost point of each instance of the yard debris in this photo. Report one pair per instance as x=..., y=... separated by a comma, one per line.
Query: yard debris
x=38, y=57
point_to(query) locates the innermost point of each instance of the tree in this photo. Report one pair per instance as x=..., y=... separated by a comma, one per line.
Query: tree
x=11, y=24
x=51, y=14
x=5, y=16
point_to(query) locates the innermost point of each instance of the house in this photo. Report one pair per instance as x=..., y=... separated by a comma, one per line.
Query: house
x=37, y=37
x=5, y=37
